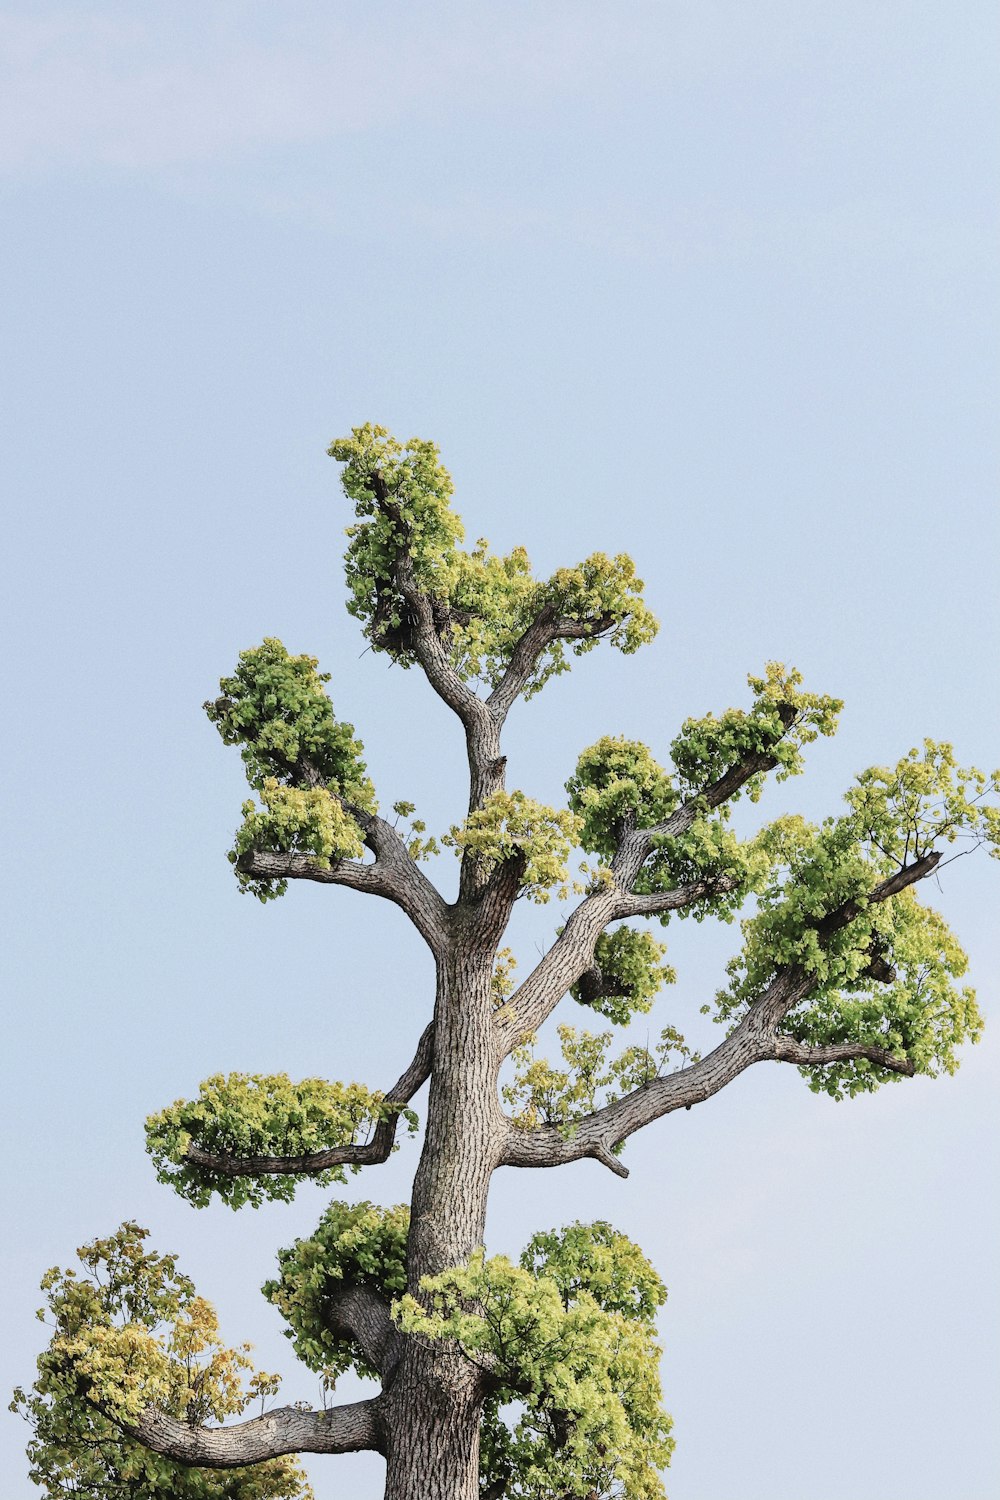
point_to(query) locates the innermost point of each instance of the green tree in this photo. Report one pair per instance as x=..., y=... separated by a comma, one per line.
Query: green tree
x=537, y=1379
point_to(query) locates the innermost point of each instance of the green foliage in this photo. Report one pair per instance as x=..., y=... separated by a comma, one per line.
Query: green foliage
x=275, y=708
x=510, y=826
x=417, y=847
x=780, y=721
x=567, y=1336
x=896, y=816
x=618, y=782
x=129, y=1333
x=360, y=1245
x=416, y=518
x=631, y=974
x=543, y=1094
x=618, y=785
x=293, y=820
x=306, y=766
x=243, y=1114
x=922, y=1014
x=482, y=602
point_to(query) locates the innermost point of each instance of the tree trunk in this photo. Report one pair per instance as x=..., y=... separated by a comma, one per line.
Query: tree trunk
x=435, y=1399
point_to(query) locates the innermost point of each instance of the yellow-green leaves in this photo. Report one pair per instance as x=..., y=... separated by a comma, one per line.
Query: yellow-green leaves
x=510, y=827
x=543, y=1094
x=128, y=1333
x=482, y=603
x=401, y=494
x=276, y=709
x=780, y=721
x=305, y=765
x=247, y=1115
x=617, y=782
x=353, y=1245
x=926, y=801
x=922, y=1014
x=896, y=817
x=630, y=972
x=568, y=1335
x=293, y=820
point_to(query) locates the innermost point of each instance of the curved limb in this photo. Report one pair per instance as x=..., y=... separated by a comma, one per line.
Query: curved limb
x=755, y=1039
x=342, y=1429
x=371, y=1153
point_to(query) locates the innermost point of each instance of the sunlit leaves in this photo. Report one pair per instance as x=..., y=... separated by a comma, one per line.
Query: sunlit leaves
x=276, y=709
x=305, y=765
x=923, y=1014
x=243, y=1114
x=127, y=1333
x=354, y=1244
x=293, y=820
x=481, y=602
x=626, y=975
x=885, y=974
x=511, y=828
x=567, y=1336
x=780, y=721
x=618, y=783
x=543, y=1093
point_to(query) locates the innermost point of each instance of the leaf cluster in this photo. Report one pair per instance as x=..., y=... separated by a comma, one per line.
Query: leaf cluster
x=253, y=1114
x=129, y=1333
x=567, y=1339
x=626, y=975
x=512, y=828
x=542, y=1093
x=482, y=603
x=306, y=766
x=358, y=1244
x=883, y=973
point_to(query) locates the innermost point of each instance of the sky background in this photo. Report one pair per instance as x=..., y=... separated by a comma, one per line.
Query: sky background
x=711, y=283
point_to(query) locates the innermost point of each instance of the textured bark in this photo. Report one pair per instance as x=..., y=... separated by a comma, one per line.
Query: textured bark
x=427, y=1418
x=343, y=1429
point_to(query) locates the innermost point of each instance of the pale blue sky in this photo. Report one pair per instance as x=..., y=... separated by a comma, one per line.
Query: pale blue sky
x=712, y=283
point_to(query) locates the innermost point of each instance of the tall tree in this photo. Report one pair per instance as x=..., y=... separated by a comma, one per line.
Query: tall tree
x=538, y=1378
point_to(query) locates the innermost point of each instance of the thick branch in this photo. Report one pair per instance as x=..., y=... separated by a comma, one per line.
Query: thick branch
x=571, y=955
x=786, y=1049
x=404, y=885
x=343, y=1429
x=360, y=1314
x=543, y=630
x=755, y=1039
x=370, y=1153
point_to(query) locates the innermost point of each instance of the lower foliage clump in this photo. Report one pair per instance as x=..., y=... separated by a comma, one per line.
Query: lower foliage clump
x=128, y=1334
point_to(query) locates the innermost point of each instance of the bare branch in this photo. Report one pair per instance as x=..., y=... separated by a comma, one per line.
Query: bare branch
x=359, y=1313
x=405, y=886
x=655, y=902
x=342, y=1429
x=543, y=630
x=371, y=1153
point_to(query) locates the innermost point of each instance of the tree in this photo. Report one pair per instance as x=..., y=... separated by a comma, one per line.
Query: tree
x=538, y=1378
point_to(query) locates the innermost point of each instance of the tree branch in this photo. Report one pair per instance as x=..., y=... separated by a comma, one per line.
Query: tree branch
x=405, y=886
x=571, y=955
x=754, y=1039
x=343, y=1429
x=359, y=1313
x=787, y=1049
x=543, y=630
x=371, y=1153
